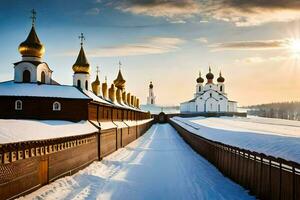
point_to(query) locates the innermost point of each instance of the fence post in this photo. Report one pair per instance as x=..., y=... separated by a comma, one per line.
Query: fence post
x=294, y=183
x=280, y=179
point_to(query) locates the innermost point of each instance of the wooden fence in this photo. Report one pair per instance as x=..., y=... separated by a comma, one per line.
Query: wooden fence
x=26, y=166
x=264, y=176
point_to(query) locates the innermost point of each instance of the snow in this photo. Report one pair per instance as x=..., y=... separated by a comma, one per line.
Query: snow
x=13, y=130
x=273, y=137
x=120, y=124
x=159, y=165
x=101, y=100
x=144, y=121
x=11, y=88
x=156, y=109
x=130, y=123
x=107, y=125
x=95, y=97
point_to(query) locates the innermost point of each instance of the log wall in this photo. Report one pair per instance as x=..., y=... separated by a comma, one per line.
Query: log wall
x=26, y=166
x=264, y=176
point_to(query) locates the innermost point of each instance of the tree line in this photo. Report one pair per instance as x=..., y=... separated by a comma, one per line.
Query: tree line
x=282, y=110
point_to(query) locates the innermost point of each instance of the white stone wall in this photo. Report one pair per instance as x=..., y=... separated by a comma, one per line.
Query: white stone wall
x=35, y=72
x=83, y=78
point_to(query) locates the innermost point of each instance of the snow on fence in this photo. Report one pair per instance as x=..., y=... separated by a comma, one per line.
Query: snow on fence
x=26, y=166
x=264, y=176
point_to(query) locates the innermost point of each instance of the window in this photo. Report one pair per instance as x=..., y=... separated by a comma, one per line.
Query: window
x=56, y=106
x=86, y=85
x=78, y=83
x=18, y=105
x=200, y=89
x=210, y=94
x=43, y=77
x=26, y=76
x=221, y=88
x=219, y=108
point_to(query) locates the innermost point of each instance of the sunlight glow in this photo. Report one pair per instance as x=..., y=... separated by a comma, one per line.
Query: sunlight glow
x=294, y=45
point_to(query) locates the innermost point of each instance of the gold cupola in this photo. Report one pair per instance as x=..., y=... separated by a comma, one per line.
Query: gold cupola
x=32, y=47
x=96, y=84
x=104, y=89
x=81, y=65
x=120, y=81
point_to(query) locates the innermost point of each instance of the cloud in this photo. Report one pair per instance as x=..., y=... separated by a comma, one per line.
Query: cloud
x=203, y=21
x=153, y=45
x=251, y=60
x=160, y=8
x=93, y=11
x=202, y=40
x=252, y=45
x=239, y=12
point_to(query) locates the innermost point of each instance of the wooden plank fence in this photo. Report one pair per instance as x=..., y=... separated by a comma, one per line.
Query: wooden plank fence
x=266, y=177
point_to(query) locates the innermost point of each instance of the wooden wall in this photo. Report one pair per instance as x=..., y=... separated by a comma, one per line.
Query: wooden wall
x=43, y=161
x=264, y=176
x=42, y=108
x=26, y=166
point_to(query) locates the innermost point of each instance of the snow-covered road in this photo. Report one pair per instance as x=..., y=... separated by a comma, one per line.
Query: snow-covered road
x=159, y=165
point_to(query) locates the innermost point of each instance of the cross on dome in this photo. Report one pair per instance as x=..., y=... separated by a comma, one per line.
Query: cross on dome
x=33, y=16
x=97, y=70
x=82, y=38
x=120, y=64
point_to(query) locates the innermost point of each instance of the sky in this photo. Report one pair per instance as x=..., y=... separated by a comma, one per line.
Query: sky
x=256, y=44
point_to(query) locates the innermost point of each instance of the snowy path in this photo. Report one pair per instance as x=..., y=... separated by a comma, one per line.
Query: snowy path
x=159, y=165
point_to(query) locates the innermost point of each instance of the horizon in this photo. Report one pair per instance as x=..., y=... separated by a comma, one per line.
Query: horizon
x=167, y=43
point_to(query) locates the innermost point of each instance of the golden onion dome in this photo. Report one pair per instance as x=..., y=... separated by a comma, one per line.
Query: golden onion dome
x=32, y=47
x=96, y=86
x=200, y=79
x=81, y=65
x=151, y=85
x=221, y=79
x=120, y=82
x=210, y=75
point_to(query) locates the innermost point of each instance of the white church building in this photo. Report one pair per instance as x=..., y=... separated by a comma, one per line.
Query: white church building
x=209, y=97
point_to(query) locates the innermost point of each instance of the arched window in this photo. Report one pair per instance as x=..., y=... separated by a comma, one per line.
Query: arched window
x=26, y=76
x=56, y=106
x=18, y=105
x=210, y=94
x=86, y=85
x=43, y=77
x=219, y=108
x=199, y=88
x=221, y=88
x=78, y=83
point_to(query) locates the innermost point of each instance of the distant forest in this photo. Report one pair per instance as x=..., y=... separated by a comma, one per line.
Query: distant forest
x=283, y=110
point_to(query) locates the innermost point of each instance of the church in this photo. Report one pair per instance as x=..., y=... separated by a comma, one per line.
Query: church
x=209, y=97
x=34, y=94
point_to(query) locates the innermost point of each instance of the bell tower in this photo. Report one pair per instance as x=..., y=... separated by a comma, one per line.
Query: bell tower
x=81, y=68
x=151, y=97
x=31, y=69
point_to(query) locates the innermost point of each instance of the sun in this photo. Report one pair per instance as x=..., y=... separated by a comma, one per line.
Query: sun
x=294, y=46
